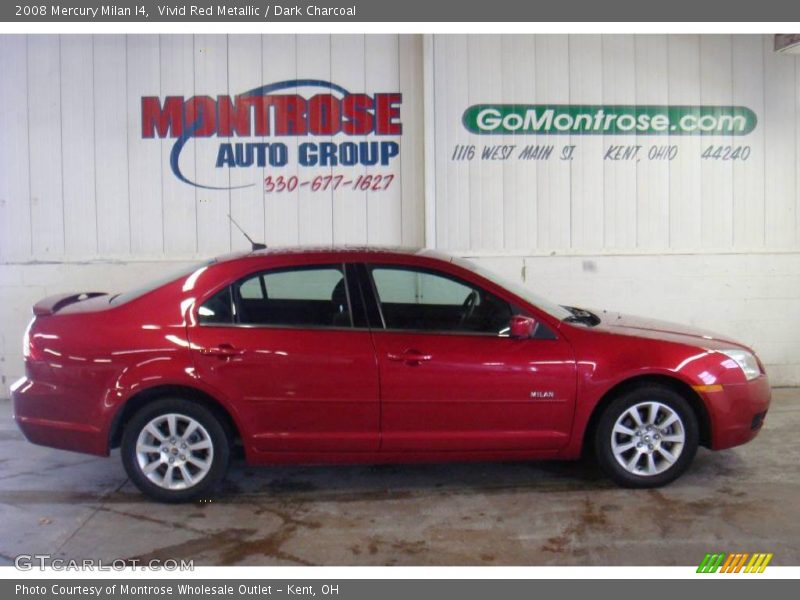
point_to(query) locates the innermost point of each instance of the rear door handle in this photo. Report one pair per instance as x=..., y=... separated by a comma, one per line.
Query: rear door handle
x=410, y=357
x=223, y=351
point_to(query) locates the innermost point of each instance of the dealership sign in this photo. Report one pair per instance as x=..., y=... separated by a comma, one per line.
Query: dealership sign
x=256, y=124
x=581, y=119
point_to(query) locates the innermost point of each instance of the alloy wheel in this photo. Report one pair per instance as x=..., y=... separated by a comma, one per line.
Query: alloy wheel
x=648, y=438
x=174, y=451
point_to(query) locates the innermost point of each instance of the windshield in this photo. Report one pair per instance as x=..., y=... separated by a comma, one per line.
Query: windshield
x=551, y=308
x=157, y=283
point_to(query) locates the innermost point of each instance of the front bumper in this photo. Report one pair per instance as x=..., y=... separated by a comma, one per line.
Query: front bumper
x=48, y=416
x=737, y=412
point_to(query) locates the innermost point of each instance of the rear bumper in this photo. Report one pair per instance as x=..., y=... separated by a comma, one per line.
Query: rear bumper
x=737, y=412
x=46, y=416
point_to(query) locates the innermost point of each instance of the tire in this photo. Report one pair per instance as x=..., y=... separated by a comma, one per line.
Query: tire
x=646, y=458
x=183, y=432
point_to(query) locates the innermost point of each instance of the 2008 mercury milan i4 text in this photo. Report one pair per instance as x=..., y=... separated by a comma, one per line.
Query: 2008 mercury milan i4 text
x=371, y=355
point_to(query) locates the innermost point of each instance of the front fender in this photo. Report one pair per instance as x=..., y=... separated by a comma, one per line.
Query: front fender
x=696, y=368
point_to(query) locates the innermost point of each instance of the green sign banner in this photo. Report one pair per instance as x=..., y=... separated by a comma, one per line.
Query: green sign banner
x=584, y=119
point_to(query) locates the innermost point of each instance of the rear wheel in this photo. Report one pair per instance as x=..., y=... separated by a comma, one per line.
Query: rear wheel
x=175, y=450
x=646, y=437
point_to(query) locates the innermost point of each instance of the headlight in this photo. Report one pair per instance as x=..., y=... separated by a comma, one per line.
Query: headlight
x=746, y=361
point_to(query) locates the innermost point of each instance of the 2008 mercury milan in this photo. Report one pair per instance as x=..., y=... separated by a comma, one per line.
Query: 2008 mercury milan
x=371, y=355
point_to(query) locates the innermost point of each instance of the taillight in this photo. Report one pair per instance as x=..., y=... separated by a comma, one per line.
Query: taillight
x=29, y=349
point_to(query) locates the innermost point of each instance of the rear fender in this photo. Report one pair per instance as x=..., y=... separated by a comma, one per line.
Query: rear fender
x=161, y=372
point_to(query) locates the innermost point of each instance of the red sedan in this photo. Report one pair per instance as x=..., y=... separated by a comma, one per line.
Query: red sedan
x=338, y=356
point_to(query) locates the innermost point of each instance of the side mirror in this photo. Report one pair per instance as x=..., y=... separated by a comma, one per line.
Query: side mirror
x=522, y=327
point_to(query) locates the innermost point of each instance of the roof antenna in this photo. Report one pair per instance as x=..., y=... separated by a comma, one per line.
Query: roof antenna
x=254, y=245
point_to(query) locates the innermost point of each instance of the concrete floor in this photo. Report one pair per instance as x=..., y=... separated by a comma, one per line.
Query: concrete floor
x=742, y=500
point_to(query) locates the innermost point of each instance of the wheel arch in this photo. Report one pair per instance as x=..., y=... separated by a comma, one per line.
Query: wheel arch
x=146, y=396
x=677, y=385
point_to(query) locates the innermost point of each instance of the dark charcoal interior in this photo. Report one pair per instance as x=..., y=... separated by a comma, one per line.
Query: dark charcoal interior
x=293, y=313
x=490, y=315
x=333, y=312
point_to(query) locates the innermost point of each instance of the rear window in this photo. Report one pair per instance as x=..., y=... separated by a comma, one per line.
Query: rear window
x=157, y=283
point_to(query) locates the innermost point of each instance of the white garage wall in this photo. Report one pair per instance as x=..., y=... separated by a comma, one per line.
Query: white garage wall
x=86, y=203
x=79, y=181
x=594, y=205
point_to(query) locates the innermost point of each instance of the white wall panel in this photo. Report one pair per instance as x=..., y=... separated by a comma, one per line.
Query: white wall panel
x=780, y=158
x=587, y=199
x=145, y=166
x=246, y=203
x=92, y=187
x=593, y=204
x=685, y=201
x=484, y=80
x=111, y=145
x=15, y=213
x=213, y=205
x=45, y=150
x=619, y=177
x=384, y=207
x=81, y=182
x=176, y=78
x=652, y=177
x=716, y=177
x=749, y=89
x=520, y=198
x=315, y=209
x=553, y=189
x=412, y=156
x=78, y=126
x=281, y=211
x=452, y=188
x=351, y=208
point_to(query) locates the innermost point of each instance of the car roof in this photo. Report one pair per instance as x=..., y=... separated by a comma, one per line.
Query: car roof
x=342, y=250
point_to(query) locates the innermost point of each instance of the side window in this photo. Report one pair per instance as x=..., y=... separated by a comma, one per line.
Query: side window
x=298, y=297
x=253, y=288
x=305, y=284
x=218, y=309
x=417, y=299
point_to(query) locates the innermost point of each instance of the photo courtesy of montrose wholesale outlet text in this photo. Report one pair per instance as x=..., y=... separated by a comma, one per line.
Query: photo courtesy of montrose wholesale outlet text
x=346, y=299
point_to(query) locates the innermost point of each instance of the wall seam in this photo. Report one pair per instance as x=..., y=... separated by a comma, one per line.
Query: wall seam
x=28, y=128
x=61, y=142
x=94, y=148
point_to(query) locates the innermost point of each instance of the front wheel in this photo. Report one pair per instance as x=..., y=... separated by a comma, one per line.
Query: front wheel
x=646, y=437
x=175, y=450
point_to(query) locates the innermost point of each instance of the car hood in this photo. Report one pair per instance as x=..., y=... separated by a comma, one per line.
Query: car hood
x=614, y=322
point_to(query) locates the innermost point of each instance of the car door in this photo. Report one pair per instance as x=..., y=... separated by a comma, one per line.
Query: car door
x=451, y=377
x=287, y=346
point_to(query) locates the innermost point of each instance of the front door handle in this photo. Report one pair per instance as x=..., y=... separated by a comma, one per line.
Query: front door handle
x=222, y=351
x=410, y=357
